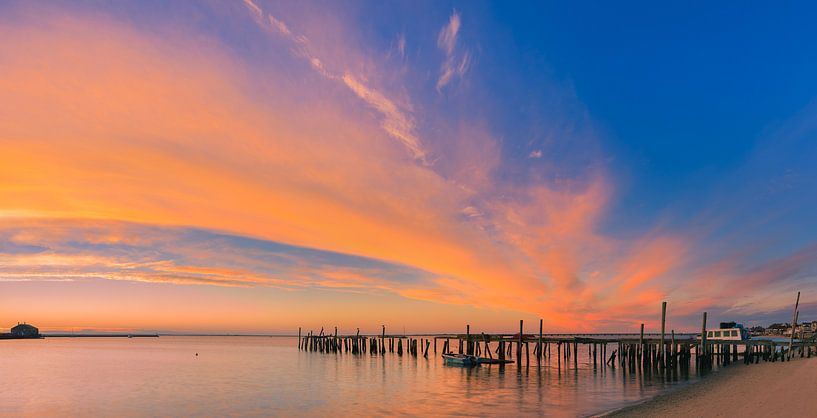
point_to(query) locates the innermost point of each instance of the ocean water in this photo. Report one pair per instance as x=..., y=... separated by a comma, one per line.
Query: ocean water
x=269, y=376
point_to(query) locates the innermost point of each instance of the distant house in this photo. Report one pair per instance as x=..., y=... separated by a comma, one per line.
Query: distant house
x=806, y=328
x=25, y=331
x=777, y=329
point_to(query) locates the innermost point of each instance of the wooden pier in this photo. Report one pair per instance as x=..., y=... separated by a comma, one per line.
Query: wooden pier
x=634, y=351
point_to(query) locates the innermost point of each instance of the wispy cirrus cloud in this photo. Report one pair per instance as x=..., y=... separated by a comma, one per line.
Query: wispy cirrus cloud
x=397, y=121
x=456, y=63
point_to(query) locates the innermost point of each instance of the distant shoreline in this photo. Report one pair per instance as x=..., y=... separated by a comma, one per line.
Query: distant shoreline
x=14, y=337
x=119, y=335
x=141, y=335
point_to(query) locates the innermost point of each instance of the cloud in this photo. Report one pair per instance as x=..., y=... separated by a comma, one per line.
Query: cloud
x=254, y=9
x=169, y=131
x=454, y=64
x=65, y=249
x=397, y=122
x=535, y=154
x=154, y=155
x=447, y=39
x=401, y=45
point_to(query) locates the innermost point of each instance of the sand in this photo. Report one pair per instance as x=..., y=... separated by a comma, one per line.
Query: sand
x=758, y=390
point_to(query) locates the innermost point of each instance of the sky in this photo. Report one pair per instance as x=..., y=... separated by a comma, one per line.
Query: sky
x=252, y=166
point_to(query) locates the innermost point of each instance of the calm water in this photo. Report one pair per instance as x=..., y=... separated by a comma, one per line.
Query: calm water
x=268, y=376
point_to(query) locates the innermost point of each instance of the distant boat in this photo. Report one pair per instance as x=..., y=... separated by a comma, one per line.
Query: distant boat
x=460, y=360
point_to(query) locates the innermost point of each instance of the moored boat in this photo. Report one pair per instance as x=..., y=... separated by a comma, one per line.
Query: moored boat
x=460, y=359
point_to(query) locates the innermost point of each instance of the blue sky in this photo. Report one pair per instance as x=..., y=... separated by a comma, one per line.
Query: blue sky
x=607, y=155
x=683, y=92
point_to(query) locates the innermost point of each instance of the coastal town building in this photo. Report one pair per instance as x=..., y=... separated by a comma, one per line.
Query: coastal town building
x=778, y=329
x=806, y=329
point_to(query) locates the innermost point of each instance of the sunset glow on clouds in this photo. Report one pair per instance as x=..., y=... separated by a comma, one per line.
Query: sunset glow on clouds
x=240, y=153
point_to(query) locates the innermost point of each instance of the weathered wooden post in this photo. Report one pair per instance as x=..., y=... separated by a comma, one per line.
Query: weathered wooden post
x=527, y=355
x=299, y=338
x=703, y=351
x=383, y=340
x=802, y=341
x=594, y=354
x=793, y=322
x=539, y=354
x=519, y=344
x=487, y=346
x=672, y=350
x=641, y=344
x=661, y=353
x=468, y=349
x=794, y=331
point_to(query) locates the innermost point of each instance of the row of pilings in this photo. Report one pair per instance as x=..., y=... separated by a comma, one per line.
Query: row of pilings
x=363, y=344
x=664, y=351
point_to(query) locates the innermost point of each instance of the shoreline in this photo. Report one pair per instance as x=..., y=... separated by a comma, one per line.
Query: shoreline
x=764, y=389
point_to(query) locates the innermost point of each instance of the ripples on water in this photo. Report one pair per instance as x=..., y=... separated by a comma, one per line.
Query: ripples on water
x=268, y=376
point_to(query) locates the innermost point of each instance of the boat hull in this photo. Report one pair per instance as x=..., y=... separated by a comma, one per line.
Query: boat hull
x=460, y=360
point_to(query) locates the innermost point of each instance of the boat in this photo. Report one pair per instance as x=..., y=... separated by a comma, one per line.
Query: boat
x=460, y=359
x=729, y=331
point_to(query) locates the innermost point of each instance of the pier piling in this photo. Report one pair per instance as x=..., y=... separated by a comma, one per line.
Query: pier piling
x=661, y=353
x=794, y=322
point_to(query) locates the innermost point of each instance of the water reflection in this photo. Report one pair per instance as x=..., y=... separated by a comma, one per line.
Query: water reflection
x=259, y=376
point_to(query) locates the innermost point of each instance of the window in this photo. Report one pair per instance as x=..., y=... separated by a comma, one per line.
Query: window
x=734, y=333
x=709, y=334
x=717, y=334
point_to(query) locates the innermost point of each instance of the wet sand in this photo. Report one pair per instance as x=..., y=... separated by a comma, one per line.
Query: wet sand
x=765, y=389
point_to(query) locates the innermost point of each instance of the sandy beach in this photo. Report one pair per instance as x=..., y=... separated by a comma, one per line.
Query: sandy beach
x=766, y=389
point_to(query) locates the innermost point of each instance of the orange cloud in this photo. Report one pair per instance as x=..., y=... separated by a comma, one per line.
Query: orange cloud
x=100, y=121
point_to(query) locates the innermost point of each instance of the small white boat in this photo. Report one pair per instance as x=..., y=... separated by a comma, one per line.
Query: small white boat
x=460, y=359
